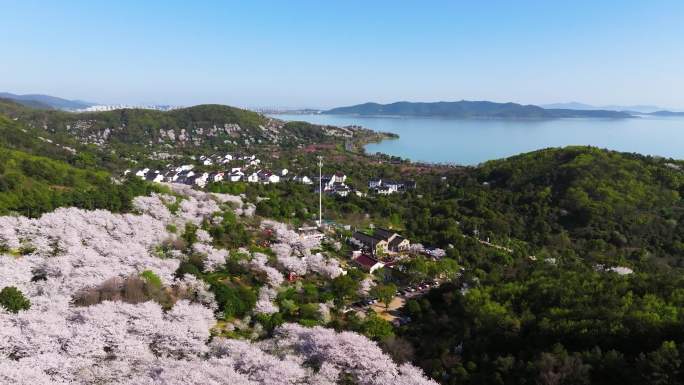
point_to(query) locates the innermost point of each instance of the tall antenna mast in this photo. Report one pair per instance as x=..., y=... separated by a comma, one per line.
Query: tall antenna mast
x=320, y=191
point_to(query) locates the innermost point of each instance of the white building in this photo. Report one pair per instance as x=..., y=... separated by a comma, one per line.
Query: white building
x=268, y=177
x=201, y=181
x=236, y=176
x=142, y=173
x=185, y=167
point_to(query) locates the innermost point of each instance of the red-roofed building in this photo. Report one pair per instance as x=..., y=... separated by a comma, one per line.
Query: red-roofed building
x=368, y=263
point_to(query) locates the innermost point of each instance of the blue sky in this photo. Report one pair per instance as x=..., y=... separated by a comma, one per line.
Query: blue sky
x=329, y=53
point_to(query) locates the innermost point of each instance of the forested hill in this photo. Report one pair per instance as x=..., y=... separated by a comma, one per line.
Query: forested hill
x=140, y=126
x=472, y=109
x=40, y=172
x=576, y=202
x=593, y=292
x=196, y=127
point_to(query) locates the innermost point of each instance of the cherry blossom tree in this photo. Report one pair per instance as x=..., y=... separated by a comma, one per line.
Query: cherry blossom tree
x=116, y=342
x=259, y=263
x=327, y=267
x=264, y=304
x=365, y=286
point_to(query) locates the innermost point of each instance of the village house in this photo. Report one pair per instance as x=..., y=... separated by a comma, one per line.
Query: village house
x=236, y=176
x=154, y=177
x=302, y=179
x=370, y=243
x=395, y=242
x=310, y=232
x=387, y=187
x=202, y=179
x=185, y=167
x=142, y=173
x=329, y=182
x=339, y=177
x=382, y=242
x=394, y=185
x=158, y=178
x=216, y=176
x=342, y=191
x=267, y=177
x=374, y=183
x=368, y=263
x=335, y=184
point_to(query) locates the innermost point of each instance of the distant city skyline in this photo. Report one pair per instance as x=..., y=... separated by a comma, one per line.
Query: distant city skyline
x=307, y=54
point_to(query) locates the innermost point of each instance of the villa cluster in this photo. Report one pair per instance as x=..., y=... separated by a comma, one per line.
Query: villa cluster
x=248, y=168
x=244, y=169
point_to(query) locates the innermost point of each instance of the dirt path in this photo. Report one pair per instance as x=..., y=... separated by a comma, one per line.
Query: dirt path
x=388, y=313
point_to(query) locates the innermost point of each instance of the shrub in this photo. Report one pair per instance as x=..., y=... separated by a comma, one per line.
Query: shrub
x=151, y=278
x=13, y=299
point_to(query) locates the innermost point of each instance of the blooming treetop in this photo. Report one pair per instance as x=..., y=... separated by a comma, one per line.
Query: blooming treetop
x=113, y=342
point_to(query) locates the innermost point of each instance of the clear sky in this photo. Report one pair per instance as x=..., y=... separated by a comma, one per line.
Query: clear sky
x=328, y=53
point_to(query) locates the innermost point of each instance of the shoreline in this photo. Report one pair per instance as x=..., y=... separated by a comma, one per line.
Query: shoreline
x=470, y=142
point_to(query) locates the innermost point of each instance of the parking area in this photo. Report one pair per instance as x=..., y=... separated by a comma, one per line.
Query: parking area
x=391, y=312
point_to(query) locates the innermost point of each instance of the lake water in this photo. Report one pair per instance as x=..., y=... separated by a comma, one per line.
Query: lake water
x=471, y=141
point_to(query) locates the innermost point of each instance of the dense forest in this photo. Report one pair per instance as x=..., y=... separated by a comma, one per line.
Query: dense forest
x=551, y=323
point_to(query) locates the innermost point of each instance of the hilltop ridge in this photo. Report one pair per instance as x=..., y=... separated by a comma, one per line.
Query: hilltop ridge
x=472, y=109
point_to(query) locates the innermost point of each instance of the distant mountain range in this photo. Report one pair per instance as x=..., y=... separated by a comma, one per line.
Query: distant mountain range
x=472, y=109
x=459, y=109
x=46, y=101
x=581, y=106
x=666, y=113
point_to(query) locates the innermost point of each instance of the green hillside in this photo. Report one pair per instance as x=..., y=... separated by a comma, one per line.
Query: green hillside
x=37, y=175
x=136, y=126
x=553, y=312
x=575, y=202
x=589, y=202
x=134, y=134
